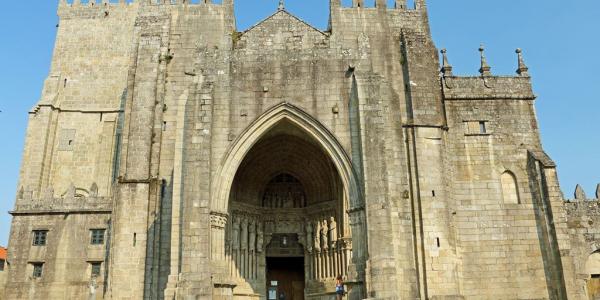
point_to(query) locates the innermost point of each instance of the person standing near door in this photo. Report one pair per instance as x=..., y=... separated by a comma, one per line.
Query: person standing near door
x=339, y=287
x=282, y=296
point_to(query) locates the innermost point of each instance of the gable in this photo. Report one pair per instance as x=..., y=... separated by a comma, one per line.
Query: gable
x=281, y=31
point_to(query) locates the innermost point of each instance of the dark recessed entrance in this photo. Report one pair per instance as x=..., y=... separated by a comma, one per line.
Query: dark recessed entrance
x=285, y=275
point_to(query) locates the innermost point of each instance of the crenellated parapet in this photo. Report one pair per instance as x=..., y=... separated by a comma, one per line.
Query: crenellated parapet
x=104, y=8
x=398, y=4
x=579, y=195
x=107, y=3
x=583, y=215
x=486, y=86
x=583, y=220
x=74, y=200
x=100, y=8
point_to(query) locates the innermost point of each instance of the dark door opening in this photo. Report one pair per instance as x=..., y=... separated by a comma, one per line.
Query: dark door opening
x=285, y=275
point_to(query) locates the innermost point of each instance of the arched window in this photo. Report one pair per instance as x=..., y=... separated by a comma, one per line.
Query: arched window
x=510, y=191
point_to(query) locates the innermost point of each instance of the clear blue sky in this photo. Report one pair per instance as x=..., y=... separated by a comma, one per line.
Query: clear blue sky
x=560, y=40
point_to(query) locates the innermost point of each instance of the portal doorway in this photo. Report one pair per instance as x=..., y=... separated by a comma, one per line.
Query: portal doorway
x=285, y=276
x=288, y=221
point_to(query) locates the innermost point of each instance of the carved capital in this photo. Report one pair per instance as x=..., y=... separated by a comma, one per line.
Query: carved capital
x=218, y=220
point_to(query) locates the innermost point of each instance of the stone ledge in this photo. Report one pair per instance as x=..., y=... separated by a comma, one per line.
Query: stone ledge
x=60, y=212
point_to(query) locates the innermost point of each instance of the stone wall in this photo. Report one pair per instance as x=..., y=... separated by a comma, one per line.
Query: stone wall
x=440, y=183
x=3, y=274
x=68, y=252
x=583, y=217
x=68, y=170
x=504, y=240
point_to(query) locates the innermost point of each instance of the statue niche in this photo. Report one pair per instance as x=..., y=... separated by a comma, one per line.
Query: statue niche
x=284, y=191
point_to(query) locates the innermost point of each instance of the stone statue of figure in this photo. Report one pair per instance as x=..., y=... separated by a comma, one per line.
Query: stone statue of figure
x=289, y=201
x=235, y=232
x=244, y=236
x=309, y=237
x=252, y=236
x=274, y=200
x=324, y=232
x=259, y=237
x=317, y=237
x=333, y=232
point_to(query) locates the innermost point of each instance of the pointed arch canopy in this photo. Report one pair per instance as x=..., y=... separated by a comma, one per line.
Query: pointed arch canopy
x=233, y=158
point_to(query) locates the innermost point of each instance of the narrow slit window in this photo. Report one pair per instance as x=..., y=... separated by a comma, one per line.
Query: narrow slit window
x=482, y=127
x=476, y=127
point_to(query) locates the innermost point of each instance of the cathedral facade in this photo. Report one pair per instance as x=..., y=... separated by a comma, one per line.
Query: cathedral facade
x=173, y=157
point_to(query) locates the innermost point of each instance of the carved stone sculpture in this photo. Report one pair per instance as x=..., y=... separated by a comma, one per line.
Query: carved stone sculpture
x=317, y=236
x=235, y=232
x=259, y=237
x=333, y=232
x=252, y=236
x=244, y=235
x=324, y=239
x=309, y=237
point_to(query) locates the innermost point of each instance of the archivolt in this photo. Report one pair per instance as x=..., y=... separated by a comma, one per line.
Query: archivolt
x=248, y=138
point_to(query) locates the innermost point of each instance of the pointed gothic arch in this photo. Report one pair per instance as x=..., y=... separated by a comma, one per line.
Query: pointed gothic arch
x=223, y=210
x=249, y=137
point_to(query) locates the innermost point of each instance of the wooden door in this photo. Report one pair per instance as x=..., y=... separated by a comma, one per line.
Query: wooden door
x=594, y=288
x=287, y=275
x=297, y=290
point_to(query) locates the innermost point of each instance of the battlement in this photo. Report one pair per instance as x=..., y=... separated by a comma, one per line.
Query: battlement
x=113, y=3
x=74, y=9
x=583, y=215
x=73, y=200
x=580, y=196
x=487, y=86
x=394, y=4
x=96, y=3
